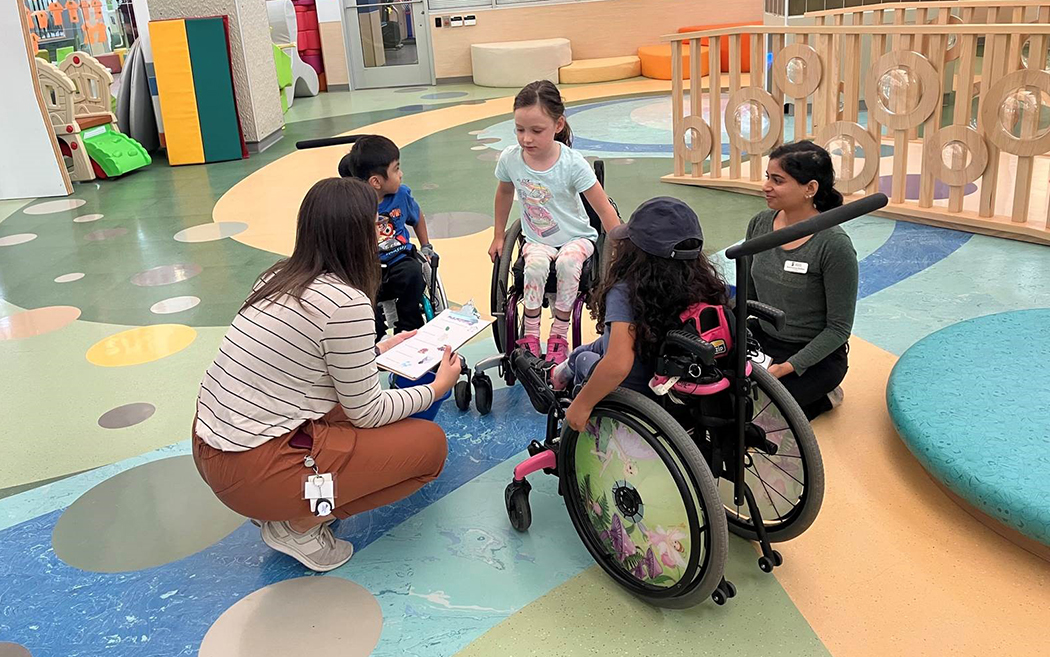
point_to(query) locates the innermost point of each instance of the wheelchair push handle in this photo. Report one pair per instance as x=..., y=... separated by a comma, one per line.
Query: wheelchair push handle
x=327, y=141
x=774, y=316
x=693, y=344
x=822, y=221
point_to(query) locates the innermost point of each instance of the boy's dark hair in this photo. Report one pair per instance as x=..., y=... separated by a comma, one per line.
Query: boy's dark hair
x=370, y=156
x=659, y=290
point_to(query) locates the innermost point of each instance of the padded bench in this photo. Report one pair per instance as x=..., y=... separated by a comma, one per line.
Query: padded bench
x=656, y=61
x=517, y=63
x=605, y=69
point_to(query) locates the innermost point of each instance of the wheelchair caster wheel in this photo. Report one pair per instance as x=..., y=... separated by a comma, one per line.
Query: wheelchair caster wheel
x=482, y=393
x=517, y=499
x=719, y=597
x=463, y=395
x=730, y=589
x=765, y=565
x=778, y=560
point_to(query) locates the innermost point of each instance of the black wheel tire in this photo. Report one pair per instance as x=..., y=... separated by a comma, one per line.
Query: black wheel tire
x=483, y=394
x=765, y=565
x=778, y=559
x=805, y=512
x=702, y=483
x=518, y=510
x=501, y=282
x=730, y=589
x=462, y=392
x=718, y=597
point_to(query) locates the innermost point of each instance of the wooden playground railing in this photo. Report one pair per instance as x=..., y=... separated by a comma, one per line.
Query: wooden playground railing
x=918, y=13
x=1000, y=147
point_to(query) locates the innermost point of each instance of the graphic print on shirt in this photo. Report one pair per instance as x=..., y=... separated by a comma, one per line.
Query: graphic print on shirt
x=533, y=197
x=390, y=240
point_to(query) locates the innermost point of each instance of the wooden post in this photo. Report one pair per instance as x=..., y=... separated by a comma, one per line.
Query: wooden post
x=878, y=48
x=758, y=81
x=715, y=111
x=992, y=68
x=801, y=108
x=1029, y=128
x=833, y=73
x=696, y=94
x=778, y=93
x=851, y=108
x=932, y=125
x=963, y=104
x=677, y=100
x=734, y=86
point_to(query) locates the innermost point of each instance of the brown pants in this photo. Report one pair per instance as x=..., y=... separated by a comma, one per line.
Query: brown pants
x=371, y=467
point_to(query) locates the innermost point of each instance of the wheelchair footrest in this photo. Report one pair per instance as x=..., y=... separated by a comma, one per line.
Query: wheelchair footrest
x=533, y=374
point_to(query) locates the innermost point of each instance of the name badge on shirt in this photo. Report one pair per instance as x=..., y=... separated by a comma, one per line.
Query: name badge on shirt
x=793, y=267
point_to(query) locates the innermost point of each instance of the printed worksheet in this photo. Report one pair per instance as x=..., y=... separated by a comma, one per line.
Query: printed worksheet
x=416, y=356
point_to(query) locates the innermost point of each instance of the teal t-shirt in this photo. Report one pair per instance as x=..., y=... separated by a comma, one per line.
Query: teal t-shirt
x=552, y=212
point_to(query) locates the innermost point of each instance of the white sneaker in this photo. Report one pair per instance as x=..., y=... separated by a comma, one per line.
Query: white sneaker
x=317, y=549
x=836, y=396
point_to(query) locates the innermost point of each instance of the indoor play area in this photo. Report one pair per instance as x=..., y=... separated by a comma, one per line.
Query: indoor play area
x=153, y=162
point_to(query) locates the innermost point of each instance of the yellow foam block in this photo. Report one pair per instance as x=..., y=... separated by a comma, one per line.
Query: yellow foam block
x=601, y=70
x=178, y=98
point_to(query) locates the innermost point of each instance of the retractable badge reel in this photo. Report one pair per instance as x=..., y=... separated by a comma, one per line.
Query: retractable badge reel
x=318, y=489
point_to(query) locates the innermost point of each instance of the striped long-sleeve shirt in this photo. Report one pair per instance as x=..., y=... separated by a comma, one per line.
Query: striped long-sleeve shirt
x=283, y=363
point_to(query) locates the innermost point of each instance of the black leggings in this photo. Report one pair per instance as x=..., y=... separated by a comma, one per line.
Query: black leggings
x=402, y=282
x=811, y=389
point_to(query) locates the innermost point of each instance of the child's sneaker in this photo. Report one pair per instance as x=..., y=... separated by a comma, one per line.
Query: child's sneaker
x=557, y=350
x=835, y=397
x=531, y=343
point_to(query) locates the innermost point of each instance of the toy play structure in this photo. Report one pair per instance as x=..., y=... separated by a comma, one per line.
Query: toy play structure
x=77, y=98
x=295, y=76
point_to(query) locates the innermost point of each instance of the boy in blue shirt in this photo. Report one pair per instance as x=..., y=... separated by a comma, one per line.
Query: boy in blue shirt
x=377, y=161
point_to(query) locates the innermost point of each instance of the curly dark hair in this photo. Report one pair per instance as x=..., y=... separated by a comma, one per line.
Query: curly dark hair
x=658, y=289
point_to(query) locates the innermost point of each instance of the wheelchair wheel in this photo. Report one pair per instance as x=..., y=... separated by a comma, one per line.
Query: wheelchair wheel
x=644, y=502
x=462, y=393
x=502, y=281
x=788, y=485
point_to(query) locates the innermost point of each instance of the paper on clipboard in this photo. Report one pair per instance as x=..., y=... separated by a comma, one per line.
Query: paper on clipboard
x=422, y=352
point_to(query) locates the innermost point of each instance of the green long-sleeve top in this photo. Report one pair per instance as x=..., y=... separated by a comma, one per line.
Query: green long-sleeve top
x=814, y=284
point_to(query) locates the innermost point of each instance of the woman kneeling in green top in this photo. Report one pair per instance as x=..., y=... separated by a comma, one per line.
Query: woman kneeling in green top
x=813, y=280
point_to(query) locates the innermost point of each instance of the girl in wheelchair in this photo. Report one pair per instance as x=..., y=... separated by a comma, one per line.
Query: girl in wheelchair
x=548, y=178
x=658, y=270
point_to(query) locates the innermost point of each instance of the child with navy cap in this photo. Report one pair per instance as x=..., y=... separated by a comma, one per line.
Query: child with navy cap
x=658, y=270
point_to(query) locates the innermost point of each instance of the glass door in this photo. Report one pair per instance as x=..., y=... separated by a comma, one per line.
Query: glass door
x=388, y=43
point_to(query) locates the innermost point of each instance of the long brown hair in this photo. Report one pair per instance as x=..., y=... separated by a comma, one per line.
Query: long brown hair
x=545, y=94
x=658, y=289
x=335, y=234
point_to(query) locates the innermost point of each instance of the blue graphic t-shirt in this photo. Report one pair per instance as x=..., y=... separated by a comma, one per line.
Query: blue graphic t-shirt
x=396, y=212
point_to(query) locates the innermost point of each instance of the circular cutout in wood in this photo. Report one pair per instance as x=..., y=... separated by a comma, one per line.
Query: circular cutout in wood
x=798, y=70
x=872, y=152
x=701, y=147
x=754, y=145
x=956, y=142
x=994, y=129
x=954, y=40
x=908, y=68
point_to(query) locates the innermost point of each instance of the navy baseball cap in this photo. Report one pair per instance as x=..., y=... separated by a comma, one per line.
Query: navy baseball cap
x=659, y=225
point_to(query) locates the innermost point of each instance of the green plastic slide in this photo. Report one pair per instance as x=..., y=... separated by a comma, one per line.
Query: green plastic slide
x=115, y=152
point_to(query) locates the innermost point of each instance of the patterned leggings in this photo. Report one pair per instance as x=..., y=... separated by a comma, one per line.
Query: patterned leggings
x=569, y=261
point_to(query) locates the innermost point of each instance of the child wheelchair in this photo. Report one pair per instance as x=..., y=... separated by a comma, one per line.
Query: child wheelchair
x=507, y=303
x=433, y=301
x=653, y=486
